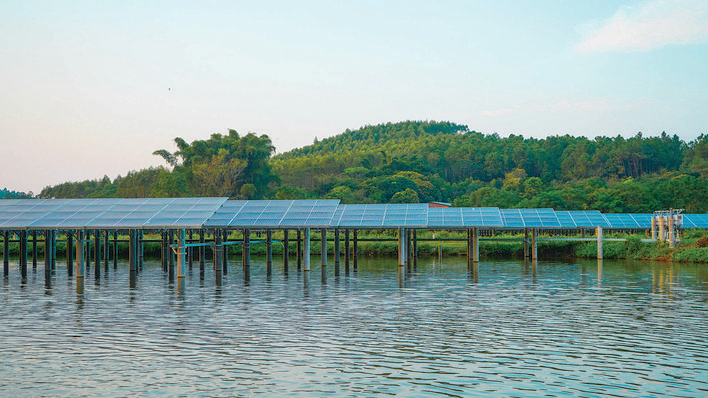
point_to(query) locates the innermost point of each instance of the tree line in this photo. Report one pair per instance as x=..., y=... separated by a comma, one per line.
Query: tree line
x=424, y=161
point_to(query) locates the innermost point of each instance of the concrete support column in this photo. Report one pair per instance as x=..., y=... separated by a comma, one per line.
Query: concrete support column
x=202, y=252
x=225, y=252
x=181, y=254
x=298, y=250
x=401, y=247
x=323, y=250
x=48, y=241
x=526, y=243
x=347, y=253
x=133, y=251
x=286, y=250
x=336, y=252
x=415, y=248
x=672, y=235
x=534, y=244
x=475, y=245
x=599, y=243
x=97, y=254
x=306, y=251
x=80, y=263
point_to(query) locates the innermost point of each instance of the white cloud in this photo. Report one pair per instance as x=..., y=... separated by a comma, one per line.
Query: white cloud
x=654, y=24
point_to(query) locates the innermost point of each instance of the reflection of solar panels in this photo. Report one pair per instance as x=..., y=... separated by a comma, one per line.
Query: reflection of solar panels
x=464, y=217
x=530, y=218
x=274, y=214
x=109, y=213
x=381, y=216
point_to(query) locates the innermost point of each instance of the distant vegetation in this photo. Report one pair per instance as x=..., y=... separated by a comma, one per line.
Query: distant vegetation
x=5, y=194
x=429, y=161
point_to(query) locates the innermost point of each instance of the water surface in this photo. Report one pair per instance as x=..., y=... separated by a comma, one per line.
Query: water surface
x=509, y=329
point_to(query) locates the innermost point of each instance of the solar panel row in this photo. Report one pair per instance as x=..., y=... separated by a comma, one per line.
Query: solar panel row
x=220, y=212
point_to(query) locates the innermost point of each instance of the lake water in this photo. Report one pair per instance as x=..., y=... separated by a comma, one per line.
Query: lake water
x=510, y=329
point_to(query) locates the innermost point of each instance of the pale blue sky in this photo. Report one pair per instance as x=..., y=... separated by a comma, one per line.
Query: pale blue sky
x=85, y=85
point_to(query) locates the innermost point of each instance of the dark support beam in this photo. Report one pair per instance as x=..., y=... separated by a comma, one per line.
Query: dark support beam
x=269, y=252
x=336, y=252
x=115, y=250
x=190, y=250
x=347, y=253
x=106, y=250
x=218, y=252
x=202, y=254
x=70, y=253
x=48, y=240
x=286, y=251
x=23, y=254
x=246, y=254
x=6, y=253
x=97, y=252
x=34, y=250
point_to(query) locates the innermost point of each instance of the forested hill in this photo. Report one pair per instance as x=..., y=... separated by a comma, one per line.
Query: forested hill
x=431, y=161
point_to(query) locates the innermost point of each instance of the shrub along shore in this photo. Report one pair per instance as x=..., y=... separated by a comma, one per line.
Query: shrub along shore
x=693, y=246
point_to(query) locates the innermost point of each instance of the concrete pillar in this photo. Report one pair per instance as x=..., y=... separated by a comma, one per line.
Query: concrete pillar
x=286, y=250
x=347, y=253
x=534, y=244
x=133, y=251
x=306, y=251
x=672, y=236
x=97, y=254
x=599, y=243
x=323, y=250
x=181, y=254
x=225, y=252
x=653, y=227
x=80, y=263
x=475, y=244
x=298, y=250
x=336, y=252
x=526, y=243
x=415, y=248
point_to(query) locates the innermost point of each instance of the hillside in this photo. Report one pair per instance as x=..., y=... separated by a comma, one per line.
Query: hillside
x=430, y=161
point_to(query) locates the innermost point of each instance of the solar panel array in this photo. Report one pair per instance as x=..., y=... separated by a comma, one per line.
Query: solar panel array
x=274, y=213
x=108, y=213
x=452, y=217
x=381, y=216
x=161, y=213
x=530, y=218
x=581, y=219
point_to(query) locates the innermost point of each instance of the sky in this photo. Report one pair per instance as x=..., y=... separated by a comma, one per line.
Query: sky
x=92, y=88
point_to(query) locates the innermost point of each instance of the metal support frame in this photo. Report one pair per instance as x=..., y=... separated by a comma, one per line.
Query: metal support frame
x=306, y=251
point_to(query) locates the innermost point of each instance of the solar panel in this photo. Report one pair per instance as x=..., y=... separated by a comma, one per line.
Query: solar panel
x=579, y=219
x=274, y=213
x=621, y=221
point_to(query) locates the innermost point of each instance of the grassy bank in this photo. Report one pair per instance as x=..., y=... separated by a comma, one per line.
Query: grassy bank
x=692, y=248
